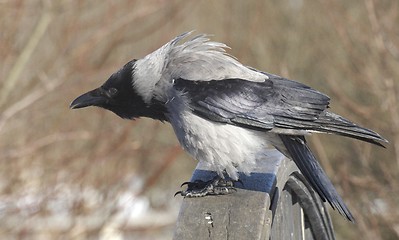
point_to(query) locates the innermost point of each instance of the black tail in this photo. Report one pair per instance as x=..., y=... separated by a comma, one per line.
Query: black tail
x=333, y=123
x=314, y=174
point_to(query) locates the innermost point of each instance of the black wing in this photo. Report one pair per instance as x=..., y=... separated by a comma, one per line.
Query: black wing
x=278, y=105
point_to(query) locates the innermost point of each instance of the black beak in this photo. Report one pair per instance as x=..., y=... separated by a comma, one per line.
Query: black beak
x=92, y=98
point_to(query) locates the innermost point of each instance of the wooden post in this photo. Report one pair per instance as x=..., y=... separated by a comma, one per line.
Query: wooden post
x=274, y=202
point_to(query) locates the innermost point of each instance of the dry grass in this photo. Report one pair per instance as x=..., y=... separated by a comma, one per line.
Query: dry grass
x=88, y=174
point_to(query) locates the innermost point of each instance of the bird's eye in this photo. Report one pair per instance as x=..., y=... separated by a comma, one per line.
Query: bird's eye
x=112, y=92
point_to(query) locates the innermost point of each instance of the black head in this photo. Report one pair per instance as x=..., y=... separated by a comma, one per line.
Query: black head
x=118, y=95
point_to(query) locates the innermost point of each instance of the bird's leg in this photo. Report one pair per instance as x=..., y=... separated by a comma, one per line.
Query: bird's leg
x=215, y=186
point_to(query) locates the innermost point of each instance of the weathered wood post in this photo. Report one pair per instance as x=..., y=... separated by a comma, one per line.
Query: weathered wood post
x=275, y=202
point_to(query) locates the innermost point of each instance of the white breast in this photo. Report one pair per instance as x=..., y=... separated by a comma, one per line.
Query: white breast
x=224, y=146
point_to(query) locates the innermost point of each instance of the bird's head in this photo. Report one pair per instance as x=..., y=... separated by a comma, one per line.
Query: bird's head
x=119, y=96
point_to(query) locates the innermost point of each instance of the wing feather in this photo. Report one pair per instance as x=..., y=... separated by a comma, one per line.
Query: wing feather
x=277, y=104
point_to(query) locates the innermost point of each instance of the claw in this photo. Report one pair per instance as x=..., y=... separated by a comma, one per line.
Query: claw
x=185, y=183
x=190, y=184
x=179, y=192
x=215, y=186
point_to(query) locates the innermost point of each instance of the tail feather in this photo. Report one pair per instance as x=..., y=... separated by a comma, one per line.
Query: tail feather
x=328, y=122
x=333, y=123
x=314, y=174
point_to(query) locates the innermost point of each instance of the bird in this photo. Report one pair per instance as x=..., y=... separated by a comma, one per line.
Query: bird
x=225, y=113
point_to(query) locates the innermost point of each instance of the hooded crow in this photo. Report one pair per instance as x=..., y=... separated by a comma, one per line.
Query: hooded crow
x=225, y=113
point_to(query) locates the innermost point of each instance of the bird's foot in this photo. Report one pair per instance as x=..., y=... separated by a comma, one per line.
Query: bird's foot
x=215, y=186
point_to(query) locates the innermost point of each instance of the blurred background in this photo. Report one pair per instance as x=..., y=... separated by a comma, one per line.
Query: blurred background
x=90, y=175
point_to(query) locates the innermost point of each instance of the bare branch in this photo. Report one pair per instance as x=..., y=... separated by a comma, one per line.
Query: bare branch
x=25, y=55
